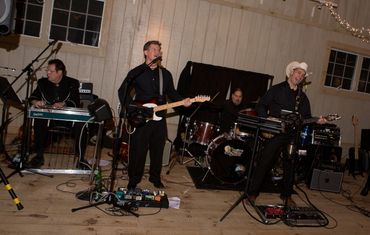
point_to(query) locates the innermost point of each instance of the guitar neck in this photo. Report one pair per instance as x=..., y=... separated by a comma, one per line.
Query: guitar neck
x=169, y=105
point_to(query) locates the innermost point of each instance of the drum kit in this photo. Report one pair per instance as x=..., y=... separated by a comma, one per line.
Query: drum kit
x=225, y=155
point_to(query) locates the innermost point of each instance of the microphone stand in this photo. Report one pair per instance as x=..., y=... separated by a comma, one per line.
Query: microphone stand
x=26, y=123
x=111, y=198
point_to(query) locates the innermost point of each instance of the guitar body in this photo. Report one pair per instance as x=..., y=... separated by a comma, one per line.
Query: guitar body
x=141, y=112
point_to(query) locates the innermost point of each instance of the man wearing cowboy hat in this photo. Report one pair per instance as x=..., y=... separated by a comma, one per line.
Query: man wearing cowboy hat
x=287, y=95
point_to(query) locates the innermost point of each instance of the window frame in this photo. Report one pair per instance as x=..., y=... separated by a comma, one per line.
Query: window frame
x=14, y=40
x=353, y=92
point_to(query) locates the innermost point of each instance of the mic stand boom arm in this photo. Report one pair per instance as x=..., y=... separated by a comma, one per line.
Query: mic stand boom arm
x=26, y=123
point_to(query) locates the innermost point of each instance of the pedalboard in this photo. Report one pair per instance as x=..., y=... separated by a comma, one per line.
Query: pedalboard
x=142, y=198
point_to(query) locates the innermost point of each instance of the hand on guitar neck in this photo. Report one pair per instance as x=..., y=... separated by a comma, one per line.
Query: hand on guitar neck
x=319, y=120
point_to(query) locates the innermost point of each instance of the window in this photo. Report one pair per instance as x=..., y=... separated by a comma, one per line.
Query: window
x=77, y=21
x=342, y=71
x=364, y=83
x=28, y=17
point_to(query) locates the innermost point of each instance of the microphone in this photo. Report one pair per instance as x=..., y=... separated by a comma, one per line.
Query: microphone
x=304, y=83
x=159, y=58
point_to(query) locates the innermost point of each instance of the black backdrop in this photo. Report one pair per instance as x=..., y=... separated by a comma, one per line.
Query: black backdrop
x=205, y=79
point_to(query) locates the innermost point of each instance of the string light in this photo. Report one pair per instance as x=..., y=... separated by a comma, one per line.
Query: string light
x=361, y=33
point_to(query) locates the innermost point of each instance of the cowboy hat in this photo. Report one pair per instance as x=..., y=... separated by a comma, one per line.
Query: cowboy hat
x=296, y=65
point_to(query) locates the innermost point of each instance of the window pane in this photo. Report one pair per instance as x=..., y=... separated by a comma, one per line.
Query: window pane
x=60, y=17
x=59, y=33
x=341, y=57
x=330, y=68
x=364, y=76
x=96, y=7
x=351, y=60
x=337, y=82
x=77, y=21
x=62, y=4
x=75, y=35
x=368, y=88
x=328, y=81
x=333, y=54
x=32, y=28
x=34, y=13
x=79, y=6
x=361, y=86
x=20, y=10
x=93, y=23
x=92, y=38
x=346, y=84
x=349, y=72
x=366, y=63
x=338, y=70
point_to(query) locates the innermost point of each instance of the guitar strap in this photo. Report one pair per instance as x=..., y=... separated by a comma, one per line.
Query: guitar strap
x=160, y=82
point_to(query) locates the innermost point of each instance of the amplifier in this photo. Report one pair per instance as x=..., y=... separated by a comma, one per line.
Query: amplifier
x=326, y=136
x=324, y=180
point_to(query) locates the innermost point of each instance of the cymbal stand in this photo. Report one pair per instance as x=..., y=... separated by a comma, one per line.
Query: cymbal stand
x=185, y=143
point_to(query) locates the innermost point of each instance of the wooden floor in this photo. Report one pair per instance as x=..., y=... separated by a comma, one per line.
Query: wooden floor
x=48, y=202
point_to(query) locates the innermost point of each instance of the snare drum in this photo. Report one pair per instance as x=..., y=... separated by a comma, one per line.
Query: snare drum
x=203, y=132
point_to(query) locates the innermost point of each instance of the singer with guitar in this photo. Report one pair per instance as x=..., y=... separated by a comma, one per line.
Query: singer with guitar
x=151, y=82
x=287, y=95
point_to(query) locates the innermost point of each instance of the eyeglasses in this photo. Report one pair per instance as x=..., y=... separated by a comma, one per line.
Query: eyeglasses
x=49, y=71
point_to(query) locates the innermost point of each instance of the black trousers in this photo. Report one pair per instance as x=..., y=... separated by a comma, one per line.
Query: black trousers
x=270, y=154
x=41, y=133
x=152, y=137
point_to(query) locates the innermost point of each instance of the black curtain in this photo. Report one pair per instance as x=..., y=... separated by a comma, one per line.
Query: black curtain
x=205, y=79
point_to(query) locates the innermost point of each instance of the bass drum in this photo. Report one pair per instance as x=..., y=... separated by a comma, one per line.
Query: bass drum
x=228, y=159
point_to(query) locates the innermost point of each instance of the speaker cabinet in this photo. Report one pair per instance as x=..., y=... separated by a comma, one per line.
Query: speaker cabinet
x=166, y=154
x=6, y=19
x=326, y=180
x=365, y=139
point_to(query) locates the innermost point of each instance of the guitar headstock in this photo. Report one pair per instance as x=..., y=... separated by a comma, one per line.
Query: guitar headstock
x=201, y=98
x=355, y=120
x=332, y=117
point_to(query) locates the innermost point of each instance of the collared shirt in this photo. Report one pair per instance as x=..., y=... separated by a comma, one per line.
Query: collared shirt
x=281, y=97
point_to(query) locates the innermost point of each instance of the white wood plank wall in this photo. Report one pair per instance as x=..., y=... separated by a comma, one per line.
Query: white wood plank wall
x=254, y=35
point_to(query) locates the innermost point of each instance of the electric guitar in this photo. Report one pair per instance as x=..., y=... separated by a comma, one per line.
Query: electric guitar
x=354, y=158
x=147, y=111
x=329, y=118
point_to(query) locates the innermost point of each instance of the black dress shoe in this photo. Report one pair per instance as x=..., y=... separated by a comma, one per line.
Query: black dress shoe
x=156, y=183
x=131, y=186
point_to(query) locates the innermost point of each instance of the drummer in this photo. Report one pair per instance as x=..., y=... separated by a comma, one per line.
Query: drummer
x=230, y=110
